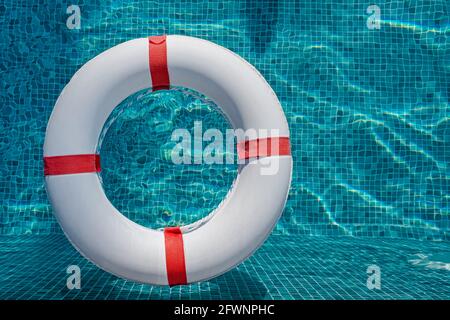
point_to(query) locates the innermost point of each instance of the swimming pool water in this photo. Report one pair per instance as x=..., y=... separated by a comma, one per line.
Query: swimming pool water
x=139, y=176
x=286, y=267
x=368, y=111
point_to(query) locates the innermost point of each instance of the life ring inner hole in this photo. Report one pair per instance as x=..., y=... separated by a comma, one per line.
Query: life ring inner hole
x=140, y=175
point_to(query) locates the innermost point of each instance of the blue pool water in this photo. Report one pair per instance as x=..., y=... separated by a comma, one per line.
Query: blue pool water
x=368, y=111
x=139, y=175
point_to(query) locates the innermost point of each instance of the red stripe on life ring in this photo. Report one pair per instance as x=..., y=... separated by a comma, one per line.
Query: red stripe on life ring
x=70, y=164
x=175, y=262
x=157, y=58
x=265, y=147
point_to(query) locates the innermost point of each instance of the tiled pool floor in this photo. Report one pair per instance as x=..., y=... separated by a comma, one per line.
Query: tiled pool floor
x=286, y=267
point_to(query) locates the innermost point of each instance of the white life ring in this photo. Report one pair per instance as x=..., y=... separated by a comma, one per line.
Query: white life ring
x=177, y=255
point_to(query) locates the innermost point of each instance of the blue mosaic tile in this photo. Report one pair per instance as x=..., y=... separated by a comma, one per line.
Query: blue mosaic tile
x=368, y=111
x=285, y=267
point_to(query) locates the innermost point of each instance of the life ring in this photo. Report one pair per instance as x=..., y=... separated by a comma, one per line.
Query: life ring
x=176, y=255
